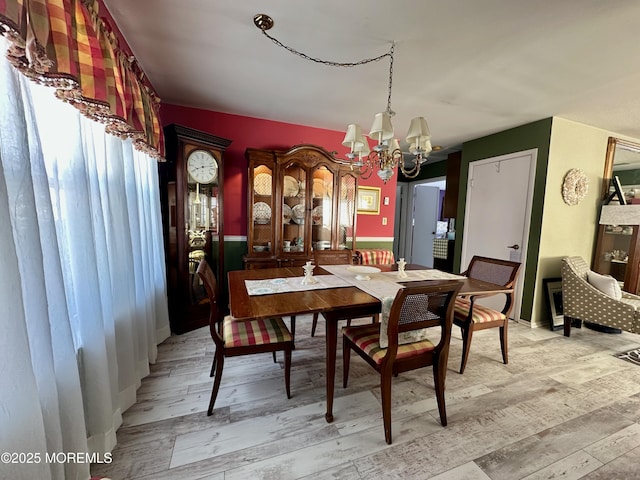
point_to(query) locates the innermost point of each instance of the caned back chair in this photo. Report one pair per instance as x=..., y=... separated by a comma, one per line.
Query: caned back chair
x=471, y=316
x=233, y=337
x=400, y=342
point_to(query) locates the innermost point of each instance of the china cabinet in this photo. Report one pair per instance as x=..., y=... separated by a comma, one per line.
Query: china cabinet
x=191, y=196
x=299, y=200
x=616, y=249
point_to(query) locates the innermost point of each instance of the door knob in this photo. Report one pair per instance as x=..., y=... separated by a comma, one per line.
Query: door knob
x=515, y=247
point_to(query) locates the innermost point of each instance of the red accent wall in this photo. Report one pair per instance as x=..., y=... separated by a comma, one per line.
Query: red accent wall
x=247, y=132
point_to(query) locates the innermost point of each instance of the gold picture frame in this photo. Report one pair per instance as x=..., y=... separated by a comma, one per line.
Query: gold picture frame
x=368, y=200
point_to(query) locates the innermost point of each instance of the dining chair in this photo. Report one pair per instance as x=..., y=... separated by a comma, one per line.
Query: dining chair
x=234, y=337
x=400, y=342
x=332, y=257
x=471, y=316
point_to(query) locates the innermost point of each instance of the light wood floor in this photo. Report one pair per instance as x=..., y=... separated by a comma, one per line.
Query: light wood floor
x=563, y=408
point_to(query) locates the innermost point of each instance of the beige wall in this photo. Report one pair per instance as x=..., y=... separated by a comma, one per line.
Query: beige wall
x=569, y=230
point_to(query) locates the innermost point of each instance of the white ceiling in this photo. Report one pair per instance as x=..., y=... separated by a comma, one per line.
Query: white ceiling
x=470, y=67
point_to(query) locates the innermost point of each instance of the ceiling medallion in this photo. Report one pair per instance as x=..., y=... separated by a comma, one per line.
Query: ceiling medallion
x=263, y=21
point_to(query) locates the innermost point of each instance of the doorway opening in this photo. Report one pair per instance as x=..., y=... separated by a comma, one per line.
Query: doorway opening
x=418, y=221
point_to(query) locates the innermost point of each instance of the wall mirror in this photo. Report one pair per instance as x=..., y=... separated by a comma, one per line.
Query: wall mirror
x=623, y=161
x=617, y=251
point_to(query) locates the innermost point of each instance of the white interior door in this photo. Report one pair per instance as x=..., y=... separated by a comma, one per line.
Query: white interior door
x=498, y=213
x=425, y=215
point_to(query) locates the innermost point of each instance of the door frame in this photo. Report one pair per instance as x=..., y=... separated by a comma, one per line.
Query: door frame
x=400, y=219
x=533, y=160
x=406, y=220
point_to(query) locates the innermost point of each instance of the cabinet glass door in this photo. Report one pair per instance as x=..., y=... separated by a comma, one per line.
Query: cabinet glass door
x=262, y=210
x=347, y=212
x=294, y=208
x=322, y=208
x=614, y=254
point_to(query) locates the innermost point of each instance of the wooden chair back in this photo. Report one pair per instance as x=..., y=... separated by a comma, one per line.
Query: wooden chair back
x=332, y=257
x=210, y=285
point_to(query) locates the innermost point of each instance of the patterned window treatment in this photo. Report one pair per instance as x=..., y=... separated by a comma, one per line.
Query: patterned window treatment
x=65, y=44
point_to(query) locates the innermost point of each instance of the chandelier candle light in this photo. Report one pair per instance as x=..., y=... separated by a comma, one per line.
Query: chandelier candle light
x=386, y=154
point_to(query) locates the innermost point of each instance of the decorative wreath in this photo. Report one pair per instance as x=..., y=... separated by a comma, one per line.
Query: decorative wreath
x=575, y=186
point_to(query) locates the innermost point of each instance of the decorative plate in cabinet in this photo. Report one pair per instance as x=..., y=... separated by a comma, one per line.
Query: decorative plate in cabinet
x=262, y=184
x=291, y=186
x=297, y=213
x=261, y=213
x=286, y=213
x=316, y=215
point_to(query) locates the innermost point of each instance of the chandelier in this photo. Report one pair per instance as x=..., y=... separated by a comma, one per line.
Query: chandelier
x=386, y=155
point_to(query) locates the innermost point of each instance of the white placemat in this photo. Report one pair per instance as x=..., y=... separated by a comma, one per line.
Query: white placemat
x=293, y=284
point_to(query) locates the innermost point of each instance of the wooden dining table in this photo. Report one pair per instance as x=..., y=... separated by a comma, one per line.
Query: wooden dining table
x=334, y=304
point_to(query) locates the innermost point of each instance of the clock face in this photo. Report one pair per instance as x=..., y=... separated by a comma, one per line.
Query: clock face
x=202, y=166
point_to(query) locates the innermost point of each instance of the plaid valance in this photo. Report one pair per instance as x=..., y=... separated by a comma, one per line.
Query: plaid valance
x=65, y=44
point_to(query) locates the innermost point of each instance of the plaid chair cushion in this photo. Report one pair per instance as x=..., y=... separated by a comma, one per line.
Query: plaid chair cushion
x=243, y=333
x=375, y=256
x=367, y=338
x=481, y=313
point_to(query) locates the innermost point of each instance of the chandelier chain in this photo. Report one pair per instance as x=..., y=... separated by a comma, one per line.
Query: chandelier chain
x=329, y=62
x=384, y=156
x=391, y=50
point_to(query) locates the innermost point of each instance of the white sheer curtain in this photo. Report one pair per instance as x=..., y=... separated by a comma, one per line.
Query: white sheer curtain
x=82, y=282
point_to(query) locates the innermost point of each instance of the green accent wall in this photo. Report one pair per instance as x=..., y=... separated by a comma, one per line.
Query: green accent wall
x=372, y=244
x=536, y=135
x=233, y=253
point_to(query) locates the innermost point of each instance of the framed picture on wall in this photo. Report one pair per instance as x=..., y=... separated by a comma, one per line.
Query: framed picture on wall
x=368, y=200
x=553, y=294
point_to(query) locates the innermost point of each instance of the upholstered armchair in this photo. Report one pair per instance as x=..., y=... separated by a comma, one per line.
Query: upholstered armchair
x=582, y=301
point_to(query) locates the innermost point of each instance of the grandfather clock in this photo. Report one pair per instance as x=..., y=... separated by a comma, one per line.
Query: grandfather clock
x=191, y=188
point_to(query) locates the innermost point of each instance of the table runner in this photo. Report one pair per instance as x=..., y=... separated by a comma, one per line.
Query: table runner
x=293, y=284
x=386, y=284
x=379, y=286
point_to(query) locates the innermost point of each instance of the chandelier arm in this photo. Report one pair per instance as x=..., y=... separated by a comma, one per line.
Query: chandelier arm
x=365, y=172
x=329, y=62
x=411, y=173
